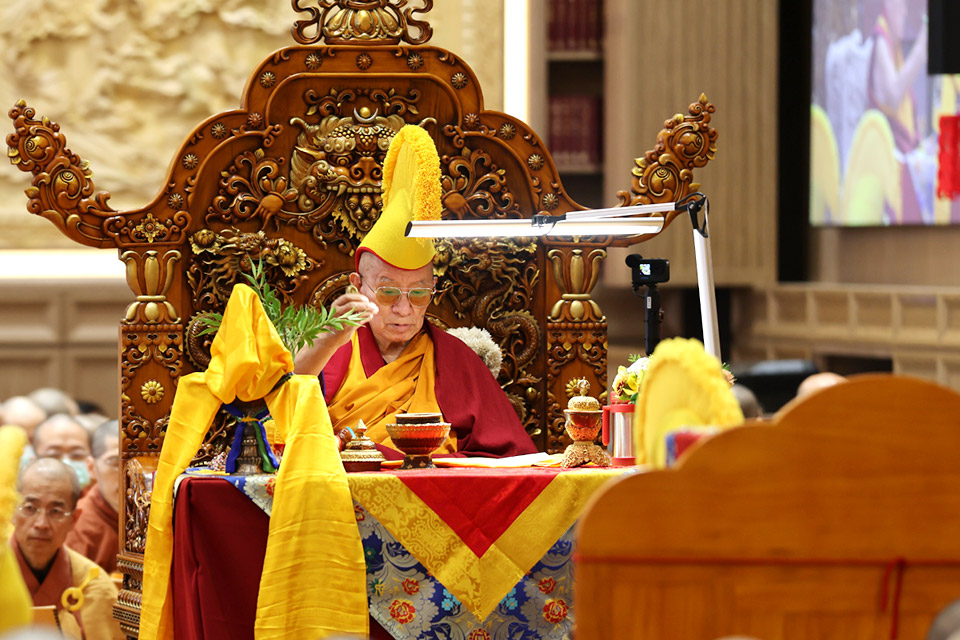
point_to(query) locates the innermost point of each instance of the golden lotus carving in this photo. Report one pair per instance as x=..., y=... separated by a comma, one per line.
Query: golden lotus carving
x=363, y=22
x=150, y=275
x=576, y=275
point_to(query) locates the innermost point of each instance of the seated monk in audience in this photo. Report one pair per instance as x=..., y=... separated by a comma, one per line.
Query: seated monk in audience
x=818, y=381
x=62, y=437
x=47, y=511
x=95, y=534
x=54, y=401
x=24, y=413
x=395, y=362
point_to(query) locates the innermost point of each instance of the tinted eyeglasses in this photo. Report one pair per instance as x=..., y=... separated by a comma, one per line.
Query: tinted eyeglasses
x=418, y=296
x=54, y=514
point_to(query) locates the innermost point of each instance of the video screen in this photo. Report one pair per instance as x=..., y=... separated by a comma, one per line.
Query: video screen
x=874, y=117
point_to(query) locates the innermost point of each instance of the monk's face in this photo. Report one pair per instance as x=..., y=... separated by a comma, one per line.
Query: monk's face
x=62, y=437
x=46, y=514
x=399, y=322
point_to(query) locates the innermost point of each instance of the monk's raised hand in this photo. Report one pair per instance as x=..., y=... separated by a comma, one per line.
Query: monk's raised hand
x=356, y=302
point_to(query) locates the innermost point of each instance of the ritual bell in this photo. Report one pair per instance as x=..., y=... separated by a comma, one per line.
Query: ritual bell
x=617, y=433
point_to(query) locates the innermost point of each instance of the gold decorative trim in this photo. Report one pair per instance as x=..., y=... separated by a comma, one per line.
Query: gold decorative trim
x=151, y=391
x=363, y=22
x=150, y=277
x=576, y=275
x=219, y=131
x=268, y=79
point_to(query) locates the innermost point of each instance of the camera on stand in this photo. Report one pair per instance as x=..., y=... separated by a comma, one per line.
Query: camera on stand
x=649, y=273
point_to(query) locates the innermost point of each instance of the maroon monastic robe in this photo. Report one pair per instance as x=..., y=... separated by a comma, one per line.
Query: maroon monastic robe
x=70, y=569
x=469, y=396
x=95, y=534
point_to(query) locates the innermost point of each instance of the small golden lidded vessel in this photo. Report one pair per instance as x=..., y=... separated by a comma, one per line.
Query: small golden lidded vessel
x=584, y=416
x=361, y=454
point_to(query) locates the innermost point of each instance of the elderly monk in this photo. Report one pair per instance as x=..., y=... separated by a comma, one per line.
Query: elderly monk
x=395, y=362
x=95, y=534
x=41, y=522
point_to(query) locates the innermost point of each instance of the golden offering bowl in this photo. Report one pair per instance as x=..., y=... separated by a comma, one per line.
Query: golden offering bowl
x=417, y=436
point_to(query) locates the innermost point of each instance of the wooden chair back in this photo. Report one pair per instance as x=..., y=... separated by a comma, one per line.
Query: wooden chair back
x=838, y=519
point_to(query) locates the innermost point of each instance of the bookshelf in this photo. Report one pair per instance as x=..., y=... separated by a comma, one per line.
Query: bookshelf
x=574, y=95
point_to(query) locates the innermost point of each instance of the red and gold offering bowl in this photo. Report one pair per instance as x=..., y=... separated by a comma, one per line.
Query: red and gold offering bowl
x=417, y=435
x=583, y=425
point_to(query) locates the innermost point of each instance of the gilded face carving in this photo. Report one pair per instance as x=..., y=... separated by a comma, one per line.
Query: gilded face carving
x=337, y=166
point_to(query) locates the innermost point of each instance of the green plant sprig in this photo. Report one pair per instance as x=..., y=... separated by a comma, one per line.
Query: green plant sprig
x=298, y=327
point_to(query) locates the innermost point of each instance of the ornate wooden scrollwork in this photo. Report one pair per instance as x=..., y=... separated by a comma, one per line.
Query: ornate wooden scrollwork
x=576, y=333
x=137, y=508
x=475, y=187
x=665, y=173
x=219, y=259
x=362, y=22
x=330, y=184
x=161, y=347
x=62, y=191
x=491, y=285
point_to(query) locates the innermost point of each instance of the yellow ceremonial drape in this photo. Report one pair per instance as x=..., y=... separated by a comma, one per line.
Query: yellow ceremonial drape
x=313, y=580
x=16, y=606
x=405, y=385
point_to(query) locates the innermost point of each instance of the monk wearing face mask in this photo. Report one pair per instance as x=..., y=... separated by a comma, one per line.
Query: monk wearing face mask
x=95, y=534
x=62, y=437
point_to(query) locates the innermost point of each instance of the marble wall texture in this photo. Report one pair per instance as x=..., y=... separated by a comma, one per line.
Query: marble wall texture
x=127, y=80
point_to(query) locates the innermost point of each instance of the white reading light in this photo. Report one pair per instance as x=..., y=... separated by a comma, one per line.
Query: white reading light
x=536, y=226
x=613, y=221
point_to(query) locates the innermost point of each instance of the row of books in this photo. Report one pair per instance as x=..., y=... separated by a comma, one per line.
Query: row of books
x=574, y=25
x=575, y=132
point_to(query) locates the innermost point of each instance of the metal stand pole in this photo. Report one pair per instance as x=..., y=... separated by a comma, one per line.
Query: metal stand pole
x=652, y=317
x=708, y=294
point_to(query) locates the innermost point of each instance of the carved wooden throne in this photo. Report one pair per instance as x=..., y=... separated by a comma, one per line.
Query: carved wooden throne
x=292, y=178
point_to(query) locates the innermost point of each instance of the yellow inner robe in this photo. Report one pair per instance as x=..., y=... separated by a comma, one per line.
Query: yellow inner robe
x=405, y=385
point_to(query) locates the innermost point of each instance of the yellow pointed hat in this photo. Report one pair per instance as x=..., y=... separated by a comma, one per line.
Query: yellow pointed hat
x=411, y=191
